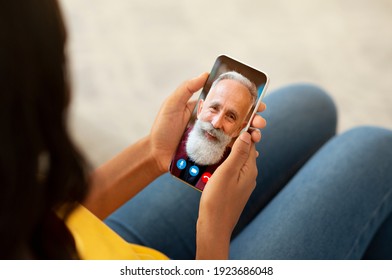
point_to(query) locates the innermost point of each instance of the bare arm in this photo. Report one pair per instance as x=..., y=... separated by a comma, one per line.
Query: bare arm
x=121, y=178
x=224, y=198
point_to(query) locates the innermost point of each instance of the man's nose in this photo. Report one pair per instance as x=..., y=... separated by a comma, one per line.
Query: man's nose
x=217, y=121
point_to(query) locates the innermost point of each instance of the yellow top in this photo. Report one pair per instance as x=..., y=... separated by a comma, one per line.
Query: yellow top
x=96, y=241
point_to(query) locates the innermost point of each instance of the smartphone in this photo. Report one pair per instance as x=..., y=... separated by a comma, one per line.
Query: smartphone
x=225, y=107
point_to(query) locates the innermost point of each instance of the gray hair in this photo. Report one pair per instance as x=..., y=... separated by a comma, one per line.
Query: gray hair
x=233, y=75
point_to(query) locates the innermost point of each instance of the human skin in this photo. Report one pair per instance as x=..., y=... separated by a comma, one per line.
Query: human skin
x=226, y=107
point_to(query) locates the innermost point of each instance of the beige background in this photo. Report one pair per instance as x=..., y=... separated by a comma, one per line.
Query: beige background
x=128, y=55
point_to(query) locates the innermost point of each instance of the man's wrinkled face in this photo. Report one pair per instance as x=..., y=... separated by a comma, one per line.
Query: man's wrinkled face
x=226, y=107
x=220, y=118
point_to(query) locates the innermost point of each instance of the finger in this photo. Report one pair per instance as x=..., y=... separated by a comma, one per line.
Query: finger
x=240, y=152
x=259, y=122
x=256, y=135
x=252, y=159
x=262, y=107
x=185, y=91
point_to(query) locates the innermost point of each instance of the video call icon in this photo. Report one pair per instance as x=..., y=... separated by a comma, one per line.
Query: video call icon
x=194, y=170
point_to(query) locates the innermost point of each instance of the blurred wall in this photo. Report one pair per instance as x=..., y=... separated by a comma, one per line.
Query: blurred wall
x=126, y=56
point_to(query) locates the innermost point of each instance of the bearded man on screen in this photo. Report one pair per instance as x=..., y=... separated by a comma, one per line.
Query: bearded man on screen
x=220, y=119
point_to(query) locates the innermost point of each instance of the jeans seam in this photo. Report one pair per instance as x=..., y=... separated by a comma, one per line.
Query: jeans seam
x=376, y=212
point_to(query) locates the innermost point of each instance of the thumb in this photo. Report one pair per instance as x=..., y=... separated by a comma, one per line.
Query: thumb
x=240, y=151
x=185, y=91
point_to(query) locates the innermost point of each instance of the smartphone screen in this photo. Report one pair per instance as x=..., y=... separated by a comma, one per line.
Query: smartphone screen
x=226, y=106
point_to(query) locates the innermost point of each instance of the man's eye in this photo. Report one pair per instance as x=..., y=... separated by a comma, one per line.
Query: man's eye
x=232, y=117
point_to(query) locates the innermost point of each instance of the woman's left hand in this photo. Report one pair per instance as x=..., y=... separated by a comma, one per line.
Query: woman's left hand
x=171, y=121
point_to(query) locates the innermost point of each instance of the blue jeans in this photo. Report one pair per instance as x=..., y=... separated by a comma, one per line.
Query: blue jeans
x=318, y=195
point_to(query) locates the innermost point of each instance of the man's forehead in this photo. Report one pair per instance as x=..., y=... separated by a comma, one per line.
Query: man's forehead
x=229, y=89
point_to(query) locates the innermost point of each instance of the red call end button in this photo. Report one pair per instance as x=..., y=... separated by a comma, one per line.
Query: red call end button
x=205, y=177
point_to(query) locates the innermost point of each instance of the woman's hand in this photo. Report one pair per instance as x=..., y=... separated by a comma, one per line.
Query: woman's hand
x=226, y=194
x=125, y=175
x=171, y=121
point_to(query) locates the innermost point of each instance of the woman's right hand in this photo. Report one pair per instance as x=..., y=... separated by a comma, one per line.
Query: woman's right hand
x=225, y=196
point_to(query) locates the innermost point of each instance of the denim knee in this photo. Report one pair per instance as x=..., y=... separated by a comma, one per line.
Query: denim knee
x=313, y=102
x=376, y=139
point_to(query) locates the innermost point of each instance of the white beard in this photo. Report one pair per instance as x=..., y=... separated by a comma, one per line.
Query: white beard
x=202, y=150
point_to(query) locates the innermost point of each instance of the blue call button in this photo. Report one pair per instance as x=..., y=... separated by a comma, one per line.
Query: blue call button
x=194, y=170
x=181, y=163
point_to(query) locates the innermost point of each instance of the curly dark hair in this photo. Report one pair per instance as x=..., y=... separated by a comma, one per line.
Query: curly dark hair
x=41, y=170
